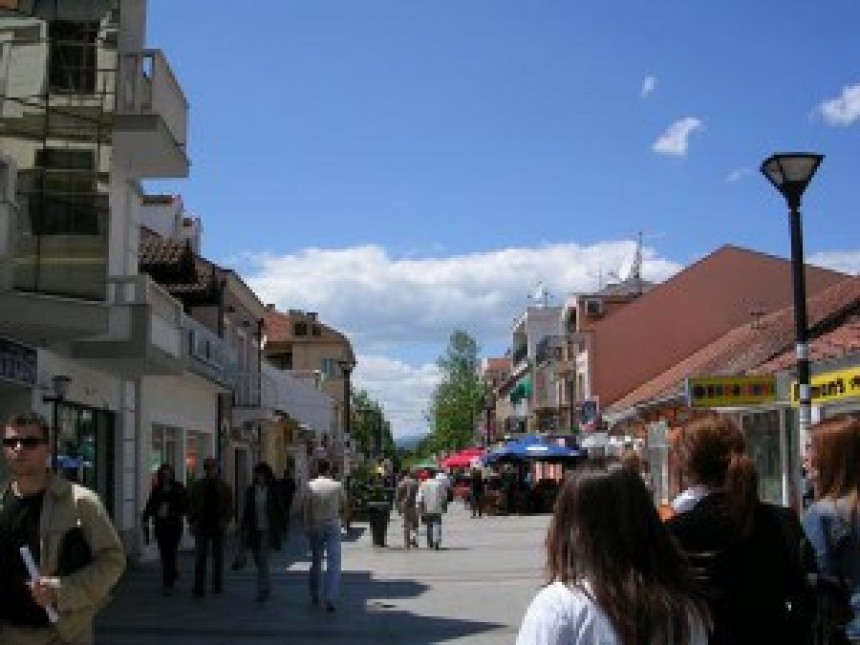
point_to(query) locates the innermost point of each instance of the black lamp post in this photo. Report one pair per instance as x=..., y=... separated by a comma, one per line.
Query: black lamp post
x=347, y=366
x=790, y=173
x=60, y=387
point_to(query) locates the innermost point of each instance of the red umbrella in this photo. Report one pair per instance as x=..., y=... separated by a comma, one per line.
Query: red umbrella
x=462, y=459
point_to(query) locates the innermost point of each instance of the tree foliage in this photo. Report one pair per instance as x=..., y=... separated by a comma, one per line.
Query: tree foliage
x=369, y=422
x=458, y=398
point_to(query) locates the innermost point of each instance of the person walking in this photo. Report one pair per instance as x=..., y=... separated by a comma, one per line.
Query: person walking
x=476, y=493
x=748, y=552
x=432, y=501
x=210, y=510
x=166, y=506
x=287, y=488
x=405, y=503
x=262, y=521
x=832, y=522
x=75, y=547
x=324, y=501
x=614, y=574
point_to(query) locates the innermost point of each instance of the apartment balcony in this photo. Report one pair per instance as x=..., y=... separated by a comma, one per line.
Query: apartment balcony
x=144, y=335
x=151, y=124
x=207, y=355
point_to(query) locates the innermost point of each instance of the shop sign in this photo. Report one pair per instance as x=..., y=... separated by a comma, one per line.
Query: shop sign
x=831, y=386
x=17, y=362
x=729, y=391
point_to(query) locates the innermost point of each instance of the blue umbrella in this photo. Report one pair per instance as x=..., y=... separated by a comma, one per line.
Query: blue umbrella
x=531, y=447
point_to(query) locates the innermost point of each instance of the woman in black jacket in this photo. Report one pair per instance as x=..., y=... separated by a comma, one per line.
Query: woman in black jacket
x=167, y=505
x=262, y=523
x=747, y=553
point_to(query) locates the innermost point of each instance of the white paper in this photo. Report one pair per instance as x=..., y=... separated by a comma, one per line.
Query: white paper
x=33, y=570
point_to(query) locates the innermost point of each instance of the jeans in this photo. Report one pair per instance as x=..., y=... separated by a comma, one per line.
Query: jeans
x=168, y=546
x=325, y=538
x=213, y=540
x=261, y=560
x=434, y=529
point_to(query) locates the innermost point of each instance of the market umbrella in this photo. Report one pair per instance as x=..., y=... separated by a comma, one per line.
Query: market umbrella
x=531, y=448
x=424, y=465
x=463, y=459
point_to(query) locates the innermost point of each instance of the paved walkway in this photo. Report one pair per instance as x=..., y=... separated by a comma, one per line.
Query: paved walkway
x=472, y=592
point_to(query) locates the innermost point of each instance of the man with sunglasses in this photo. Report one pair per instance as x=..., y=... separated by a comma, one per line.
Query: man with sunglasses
x=76, y=548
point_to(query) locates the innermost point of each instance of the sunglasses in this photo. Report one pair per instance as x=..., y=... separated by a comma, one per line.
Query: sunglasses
x=24, y=442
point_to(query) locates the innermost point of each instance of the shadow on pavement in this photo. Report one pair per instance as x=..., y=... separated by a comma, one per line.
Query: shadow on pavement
x=367, y=610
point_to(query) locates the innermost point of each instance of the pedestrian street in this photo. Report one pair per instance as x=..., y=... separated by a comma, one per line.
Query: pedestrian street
x=473, y=591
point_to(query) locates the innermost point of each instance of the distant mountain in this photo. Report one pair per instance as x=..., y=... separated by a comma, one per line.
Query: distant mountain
x=409, y=441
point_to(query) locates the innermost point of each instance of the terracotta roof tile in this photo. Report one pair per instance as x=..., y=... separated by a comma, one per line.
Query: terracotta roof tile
x=750, y=347
x=840, y=342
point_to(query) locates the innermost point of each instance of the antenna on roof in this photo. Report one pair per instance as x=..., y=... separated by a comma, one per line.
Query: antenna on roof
x=541, y=295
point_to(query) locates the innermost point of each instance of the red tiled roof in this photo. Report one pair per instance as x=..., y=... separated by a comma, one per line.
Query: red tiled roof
x=498, y=364
x=751, y=346
x=842, y=341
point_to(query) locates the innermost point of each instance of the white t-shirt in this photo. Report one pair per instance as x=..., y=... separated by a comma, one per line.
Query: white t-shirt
x=560, y=615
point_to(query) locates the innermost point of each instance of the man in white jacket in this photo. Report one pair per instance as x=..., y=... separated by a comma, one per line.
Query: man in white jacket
x=431, y=501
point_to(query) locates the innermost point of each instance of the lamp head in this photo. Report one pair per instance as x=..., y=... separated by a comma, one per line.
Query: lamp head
x=60, y=384
x=791, y=172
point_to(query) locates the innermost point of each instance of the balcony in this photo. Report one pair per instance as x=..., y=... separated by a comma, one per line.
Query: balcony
x=549, y=349
x=207, y=355
x=144, y=335
x=272, y=394
x=151, y=126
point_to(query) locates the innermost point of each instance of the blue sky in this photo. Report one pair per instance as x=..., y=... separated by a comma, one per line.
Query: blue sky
x=402, y=166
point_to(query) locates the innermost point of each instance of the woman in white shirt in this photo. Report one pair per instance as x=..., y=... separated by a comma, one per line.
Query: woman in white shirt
x=615, y=576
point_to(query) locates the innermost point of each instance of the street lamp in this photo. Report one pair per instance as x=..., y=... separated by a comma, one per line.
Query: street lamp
x=790, y=173
x=346, y=367
x=60, y=387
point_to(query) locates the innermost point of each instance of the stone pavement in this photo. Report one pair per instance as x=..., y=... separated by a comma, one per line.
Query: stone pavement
x=472, y=592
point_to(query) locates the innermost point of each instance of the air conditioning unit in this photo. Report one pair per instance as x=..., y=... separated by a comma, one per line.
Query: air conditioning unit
x=594, y=307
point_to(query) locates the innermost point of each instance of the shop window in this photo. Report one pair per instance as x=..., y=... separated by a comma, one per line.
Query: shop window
x=196, y=450
x=761, y=431
x=165, y=448
x=85, y=448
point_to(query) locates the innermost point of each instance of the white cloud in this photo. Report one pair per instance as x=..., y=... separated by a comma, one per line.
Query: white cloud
x=649, y=84
x=845, y=261
x=388, y=305
x=844, y=109
x=404, y=390
x=738, y=174
x=674, y=140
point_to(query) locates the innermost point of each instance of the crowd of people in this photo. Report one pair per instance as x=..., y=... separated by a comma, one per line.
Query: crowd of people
x=726, y=569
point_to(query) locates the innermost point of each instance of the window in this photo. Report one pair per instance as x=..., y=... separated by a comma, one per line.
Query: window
x=300, y=329
x=73, y=56
x=283, y=361
x=316, y=331
x=329, y=367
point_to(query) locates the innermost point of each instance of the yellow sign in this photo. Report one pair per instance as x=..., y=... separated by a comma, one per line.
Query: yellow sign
x=831, y=386
x=728, y=391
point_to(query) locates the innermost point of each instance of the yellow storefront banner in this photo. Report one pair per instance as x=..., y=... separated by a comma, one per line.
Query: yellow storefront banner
x=729, y=391
x=831, y=386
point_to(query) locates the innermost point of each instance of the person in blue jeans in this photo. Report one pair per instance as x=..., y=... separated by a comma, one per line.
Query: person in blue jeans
x=325, y=500
x=832, y=522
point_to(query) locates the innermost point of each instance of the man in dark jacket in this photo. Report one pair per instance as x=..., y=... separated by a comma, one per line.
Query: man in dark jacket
x=262, y=519
x=167, y=505
x=209, y=512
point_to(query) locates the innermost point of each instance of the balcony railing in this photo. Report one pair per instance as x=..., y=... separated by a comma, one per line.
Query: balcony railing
x=165, y=312
x=207, y=354
x=150, y=88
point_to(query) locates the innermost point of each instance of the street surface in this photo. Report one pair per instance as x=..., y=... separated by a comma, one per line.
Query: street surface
x=473, y=591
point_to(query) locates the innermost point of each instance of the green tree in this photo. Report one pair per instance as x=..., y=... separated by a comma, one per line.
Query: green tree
x=368, y=423
x=458, y=398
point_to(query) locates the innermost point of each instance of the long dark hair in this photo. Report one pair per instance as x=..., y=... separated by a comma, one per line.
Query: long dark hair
x=607, y=540
x=836, y=442
x=713, y=453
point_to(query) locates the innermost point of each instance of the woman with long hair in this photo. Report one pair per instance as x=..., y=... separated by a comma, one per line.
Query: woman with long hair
x=832, y=523
x=747, y=553
x=614, y=575
x=166, y=506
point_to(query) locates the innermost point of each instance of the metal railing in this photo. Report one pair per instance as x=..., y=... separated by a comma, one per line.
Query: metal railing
x=208, y=354
x=166, y=312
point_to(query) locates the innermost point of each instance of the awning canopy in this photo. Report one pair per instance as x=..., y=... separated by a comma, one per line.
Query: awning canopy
x=520, y=391
x=464, y=458
x=532, y=448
